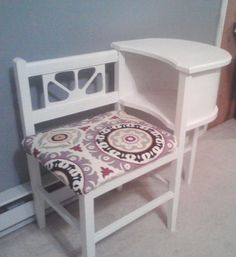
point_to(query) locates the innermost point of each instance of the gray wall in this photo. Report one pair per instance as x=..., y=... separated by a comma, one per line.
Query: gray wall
x=54, y=28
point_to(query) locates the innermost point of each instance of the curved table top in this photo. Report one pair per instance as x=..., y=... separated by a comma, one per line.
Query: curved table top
x=186, y=56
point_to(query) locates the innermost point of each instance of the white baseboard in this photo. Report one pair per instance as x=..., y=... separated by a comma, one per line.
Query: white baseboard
x=23, y=213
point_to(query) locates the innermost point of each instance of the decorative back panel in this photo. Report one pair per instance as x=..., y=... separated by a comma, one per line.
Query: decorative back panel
x=56, y=88
x=73, y=84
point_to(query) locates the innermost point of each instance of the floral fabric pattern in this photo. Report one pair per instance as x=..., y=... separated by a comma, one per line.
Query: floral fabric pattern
x=86, y=154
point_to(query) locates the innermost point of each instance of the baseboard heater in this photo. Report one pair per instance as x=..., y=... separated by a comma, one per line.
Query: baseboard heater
x=16, y=204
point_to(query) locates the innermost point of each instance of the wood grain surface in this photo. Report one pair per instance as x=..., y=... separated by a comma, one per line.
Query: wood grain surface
x=227, y=91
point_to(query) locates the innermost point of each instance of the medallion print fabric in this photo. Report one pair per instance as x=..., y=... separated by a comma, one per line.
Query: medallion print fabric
x=86, y=154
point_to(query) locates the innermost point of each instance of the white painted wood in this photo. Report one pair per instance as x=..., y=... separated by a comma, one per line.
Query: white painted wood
x=70, y=63
x=201, y=101
x=127, y=219
x=35, y=180
x=220, y=27
x=58, y=208
x=194, y=139
x=87, y=225
x=218, y=40
x=23, y=95
x=77, y=92
x=190, y=99
x=180, y=133
x=73, y=107
x=185, y=56
x=141, y=103
x=146, y=86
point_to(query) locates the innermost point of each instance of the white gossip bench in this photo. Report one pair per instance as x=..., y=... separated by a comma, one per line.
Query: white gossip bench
x=175, y=81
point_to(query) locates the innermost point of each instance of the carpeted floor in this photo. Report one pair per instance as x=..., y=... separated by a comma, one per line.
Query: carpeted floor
x=206, y=224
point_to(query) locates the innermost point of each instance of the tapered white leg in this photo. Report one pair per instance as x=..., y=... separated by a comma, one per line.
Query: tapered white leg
x=174, y=186
x=87, y=225
x=194, y=143
x=35, y=180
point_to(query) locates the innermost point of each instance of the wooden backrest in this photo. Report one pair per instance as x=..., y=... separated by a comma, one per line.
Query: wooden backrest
x=68, y=85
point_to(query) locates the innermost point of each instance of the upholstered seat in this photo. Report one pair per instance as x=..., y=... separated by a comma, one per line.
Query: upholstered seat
x=86, y=154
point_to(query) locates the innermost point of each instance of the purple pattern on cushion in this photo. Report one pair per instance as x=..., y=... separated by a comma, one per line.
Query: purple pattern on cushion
x=82, y=167
x=88, y=153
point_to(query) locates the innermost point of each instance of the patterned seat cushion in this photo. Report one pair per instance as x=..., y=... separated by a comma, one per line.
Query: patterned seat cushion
x=86, y=154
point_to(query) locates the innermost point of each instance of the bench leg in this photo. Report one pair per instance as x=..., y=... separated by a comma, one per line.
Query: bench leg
x=87, y=225
x=194, y=141
x=35, y=180
x=174, y=186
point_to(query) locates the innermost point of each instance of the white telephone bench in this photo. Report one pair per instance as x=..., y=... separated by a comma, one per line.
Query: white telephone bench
x=173, y=80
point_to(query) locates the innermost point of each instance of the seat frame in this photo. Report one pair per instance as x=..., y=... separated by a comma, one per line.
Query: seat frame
x=82, y=102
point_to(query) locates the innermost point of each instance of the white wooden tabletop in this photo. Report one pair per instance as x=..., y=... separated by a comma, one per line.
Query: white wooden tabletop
x=186, y=56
